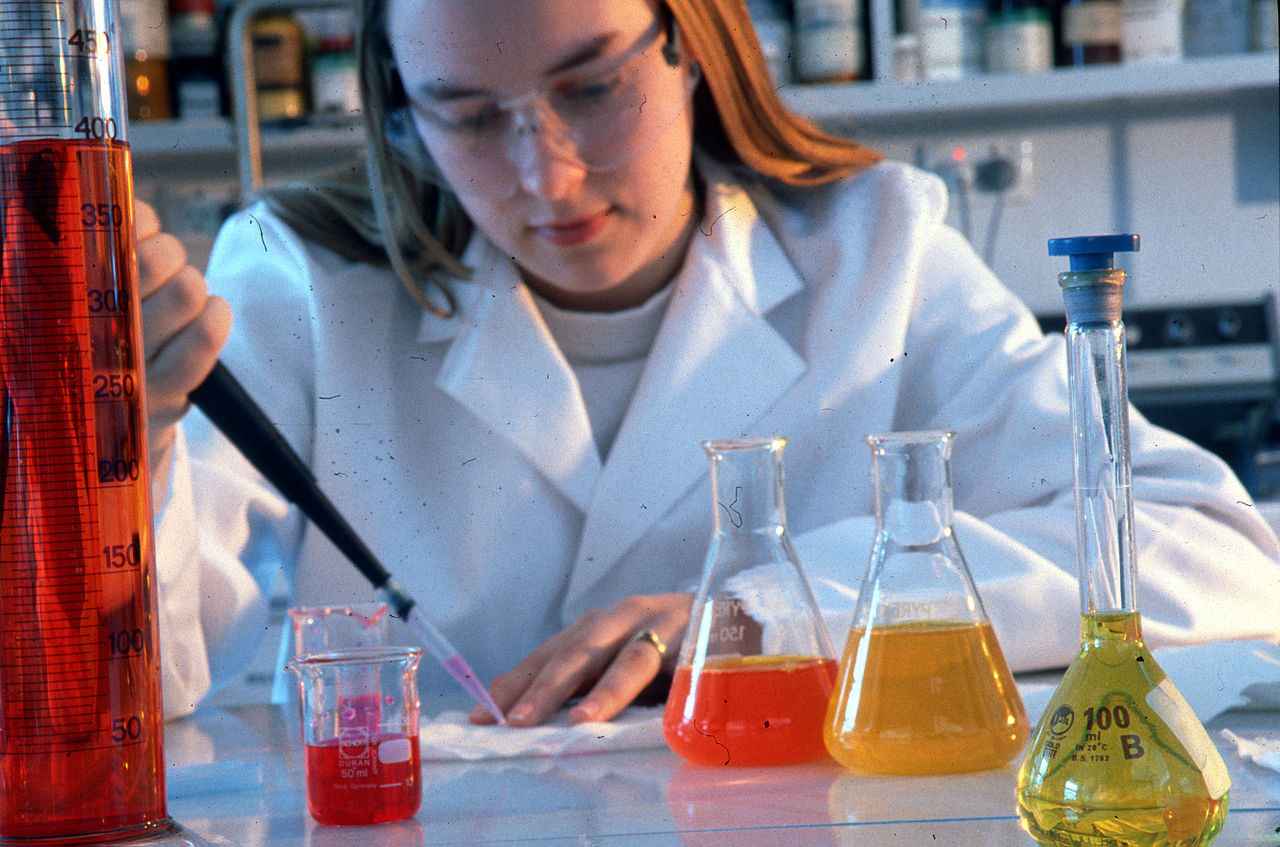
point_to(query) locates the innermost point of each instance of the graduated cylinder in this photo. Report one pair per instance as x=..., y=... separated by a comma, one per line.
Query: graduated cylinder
x=81, y=725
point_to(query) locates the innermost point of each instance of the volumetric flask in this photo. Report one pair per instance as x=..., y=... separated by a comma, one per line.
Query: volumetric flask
x=1119, y=756
x=923, y=687
x=360, y=729
x=80, y=714
x=756, y=666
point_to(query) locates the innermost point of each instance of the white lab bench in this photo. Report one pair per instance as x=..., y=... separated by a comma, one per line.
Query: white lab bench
x=249, y=761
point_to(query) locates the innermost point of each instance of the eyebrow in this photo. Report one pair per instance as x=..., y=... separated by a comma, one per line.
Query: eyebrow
x=442, y=91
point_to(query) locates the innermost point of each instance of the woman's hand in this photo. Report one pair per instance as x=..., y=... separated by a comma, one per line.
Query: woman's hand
x=597, y=656
x=183, y=326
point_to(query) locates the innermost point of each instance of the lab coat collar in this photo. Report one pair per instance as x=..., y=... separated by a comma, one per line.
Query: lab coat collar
x=716, y=367
x=504, y=366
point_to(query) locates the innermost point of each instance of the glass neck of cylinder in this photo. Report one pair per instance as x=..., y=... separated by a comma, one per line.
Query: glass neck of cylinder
x=64, y=74
x=1104, y=498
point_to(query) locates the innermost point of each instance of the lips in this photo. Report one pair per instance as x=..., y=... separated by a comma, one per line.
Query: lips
x=570, y=232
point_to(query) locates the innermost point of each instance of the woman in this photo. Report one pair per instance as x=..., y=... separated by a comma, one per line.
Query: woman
x=587, y=236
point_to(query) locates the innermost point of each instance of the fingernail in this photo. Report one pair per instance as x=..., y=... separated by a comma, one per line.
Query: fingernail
x=583, y=712
x=520, y=712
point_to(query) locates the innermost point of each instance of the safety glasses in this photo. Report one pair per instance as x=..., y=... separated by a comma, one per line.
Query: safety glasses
x=600, y=116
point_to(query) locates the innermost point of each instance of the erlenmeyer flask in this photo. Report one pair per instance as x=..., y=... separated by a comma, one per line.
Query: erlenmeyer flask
x=923, y=687
x=756, y=666
x=1119, y=756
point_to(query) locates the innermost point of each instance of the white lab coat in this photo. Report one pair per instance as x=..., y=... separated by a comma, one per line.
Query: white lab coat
x=461, y=449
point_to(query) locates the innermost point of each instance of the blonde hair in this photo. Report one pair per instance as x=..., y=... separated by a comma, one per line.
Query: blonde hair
x=378, y=209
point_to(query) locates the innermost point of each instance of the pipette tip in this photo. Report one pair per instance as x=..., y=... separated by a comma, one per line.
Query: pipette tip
x=461, y=671
x=446, y=654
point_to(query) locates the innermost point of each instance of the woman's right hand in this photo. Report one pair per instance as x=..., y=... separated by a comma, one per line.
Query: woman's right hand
x=183, y=327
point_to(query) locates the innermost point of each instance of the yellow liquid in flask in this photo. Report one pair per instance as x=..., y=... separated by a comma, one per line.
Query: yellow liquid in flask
x=1119, y=758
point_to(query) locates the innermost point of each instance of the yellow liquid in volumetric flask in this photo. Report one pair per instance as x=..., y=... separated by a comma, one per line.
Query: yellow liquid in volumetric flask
x=1119, y=758
x=925, y=698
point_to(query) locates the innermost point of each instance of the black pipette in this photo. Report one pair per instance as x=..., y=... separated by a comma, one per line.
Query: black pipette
x=225, y=402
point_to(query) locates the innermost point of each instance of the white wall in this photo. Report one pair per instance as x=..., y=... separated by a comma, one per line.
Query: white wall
x=1199, y=182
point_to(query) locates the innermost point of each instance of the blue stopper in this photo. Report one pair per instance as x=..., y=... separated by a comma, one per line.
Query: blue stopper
x=1093, y=252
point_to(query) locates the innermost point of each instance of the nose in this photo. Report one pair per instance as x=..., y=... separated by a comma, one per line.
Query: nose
x=546, y=160
x=548, y=173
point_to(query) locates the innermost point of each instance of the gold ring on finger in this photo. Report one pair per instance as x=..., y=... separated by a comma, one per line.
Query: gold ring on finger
x=648, y=636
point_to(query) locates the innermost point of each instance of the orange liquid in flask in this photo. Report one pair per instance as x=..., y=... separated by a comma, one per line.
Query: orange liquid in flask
x=754, y=710
x=925, y=698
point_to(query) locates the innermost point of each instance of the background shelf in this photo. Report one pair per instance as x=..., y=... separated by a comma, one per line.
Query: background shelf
x=878, y=102
x=860, y=103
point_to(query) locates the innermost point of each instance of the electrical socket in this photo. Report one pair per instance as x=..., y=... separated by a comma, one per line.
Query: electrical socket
x=960, y=163
x=1020, y=153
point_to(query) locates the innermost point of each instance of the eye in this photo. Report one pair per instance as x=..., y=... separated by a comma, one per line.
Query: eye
x=487, y=118
x=484, y=118
x=594, y=91
x=591, y=91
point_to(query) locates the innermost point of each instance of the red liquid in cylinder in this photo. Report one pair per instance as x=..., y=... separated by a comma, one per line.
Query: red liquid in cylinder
x=356, y=781
x=753, y=710
x=80, y=712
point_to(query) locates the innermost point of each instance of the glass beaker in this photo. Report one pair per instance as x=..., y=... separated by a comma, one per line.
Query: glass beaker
x=1118, y=756
x=755, y=667
x=360, y=730
x=81, y=724
x=923, y=687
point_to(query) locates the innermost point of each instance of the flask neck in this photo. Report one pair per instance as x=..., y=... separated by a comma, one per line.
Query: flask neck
x=1108, y=628
x=1100, y=447
x=747, y=486
x=916, y=573
x=912, y=476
